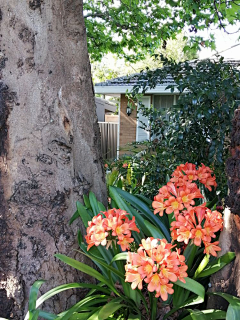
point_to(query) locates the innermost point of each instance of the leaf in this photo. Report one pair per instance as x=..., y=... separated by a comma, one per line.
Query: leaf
x=74, y=217
x=80, y=316
x=110, y=308
x=120, y=256
x=86, y=202
x=210, y=204
x=85, y=269
x=202, y=265
x=33, y=298
x=94, y=203
x=154, y=232
x=107, y=266
x=217, y=265
x=101, y=207
x=83, y=214
x=124, y=206
x=119, y=195
x=61, y=288
x=35, y=315
x=210, y=314
x=67, y=315
x=233, y=311
x=194, y=287
x=190, y=253
x=48, y=316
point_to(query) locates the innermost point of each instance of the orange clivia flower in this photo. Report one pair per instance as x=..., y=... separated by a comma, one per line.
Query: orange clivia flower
x=158, y=205
x=116, y=226
x=174, y=205
x=198, y=235
x=134, y=277
x=124, y=242
x=198, y=223
x=212, y=248
x=156, y=264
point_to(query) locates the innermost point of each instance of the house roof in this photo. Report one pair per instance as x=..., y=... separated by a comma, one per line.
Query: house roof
x=130, y=80
x=126, y=83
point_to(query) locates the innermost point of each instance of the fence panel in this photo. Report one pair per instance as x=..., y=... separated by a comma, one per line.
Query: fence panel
x=109, y=132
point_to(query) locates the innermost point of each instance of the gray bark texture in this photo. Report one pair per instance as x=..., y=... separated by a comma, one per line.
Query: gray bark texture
x=228, y=279
x=49, y=146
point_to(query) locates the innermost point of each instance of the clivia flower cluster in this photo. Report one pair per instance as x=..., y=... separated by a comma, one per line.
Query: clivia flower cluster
x=156, y=264
x=115, y=226
x=187, y=173
x=198, y=223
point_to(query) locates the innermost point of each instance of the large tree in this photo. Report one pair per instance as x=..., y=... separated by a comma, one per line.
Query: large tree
x=49, y=144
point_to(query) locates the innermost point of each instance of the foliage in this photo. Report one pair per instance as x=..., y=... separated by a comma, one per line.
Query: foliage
x=113, y=297
x=208, y=95
x=130, y=28
x=112, y=67
x=142, y=172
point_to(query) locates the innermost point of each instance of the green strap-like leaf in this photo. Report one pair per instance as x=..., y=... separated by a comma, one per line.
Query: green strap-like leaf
x=190, y=253
x=202, y=265
x=34, y=315
x=94, y=203
x=83, y=214
x=67, y=315
x=194, y=287
x=74, y=217
x=120, y=256
x=210, y=314
x=101, y=207
x=86, y=202
x=233, y=301
x=33, y=297
x=106, y=266
x=80, y=316
x=216, y=265
x=61, y=288
x=121, y=203
x=110, y=308
x=47, y=316
x=85, y=269
x=154, y=231
x=142, y=207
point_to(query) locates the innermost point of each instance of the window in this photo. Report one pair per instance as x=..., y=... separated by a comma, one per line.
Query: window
x=163, y=103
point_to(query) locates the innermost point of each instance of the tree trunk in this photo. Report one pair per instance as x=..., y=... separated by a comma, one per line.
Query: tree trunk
x=49, y=145
x=228, y=279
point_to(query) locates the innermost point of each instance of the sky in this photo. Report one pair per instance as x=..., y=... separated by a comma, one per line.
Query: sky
x=224, y=41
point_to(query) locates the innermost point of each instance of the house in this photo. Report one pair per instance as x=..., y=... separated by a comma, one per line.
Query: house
x=129, y=125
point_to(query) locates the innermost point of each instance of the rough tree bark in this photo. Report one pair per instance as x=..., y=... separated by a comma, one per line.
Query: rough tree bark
x=49, y=144
x=228, y=279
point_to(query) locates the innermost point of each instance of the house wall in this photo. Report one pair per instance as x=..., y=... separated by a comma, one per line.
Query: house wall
x=128, y=124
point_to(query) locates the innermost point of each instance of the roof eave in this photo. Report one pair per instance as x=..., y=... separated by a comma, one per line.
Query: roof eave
x=123, y=89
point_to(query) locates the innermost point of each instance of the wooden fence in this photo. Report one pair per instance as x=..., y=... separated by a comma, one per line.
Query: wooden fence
x=109, y=138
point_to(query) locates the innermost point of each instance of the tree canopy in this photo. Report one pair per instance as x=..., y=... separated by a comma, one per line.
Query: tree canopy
x=131, y=28
x=112, y=67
